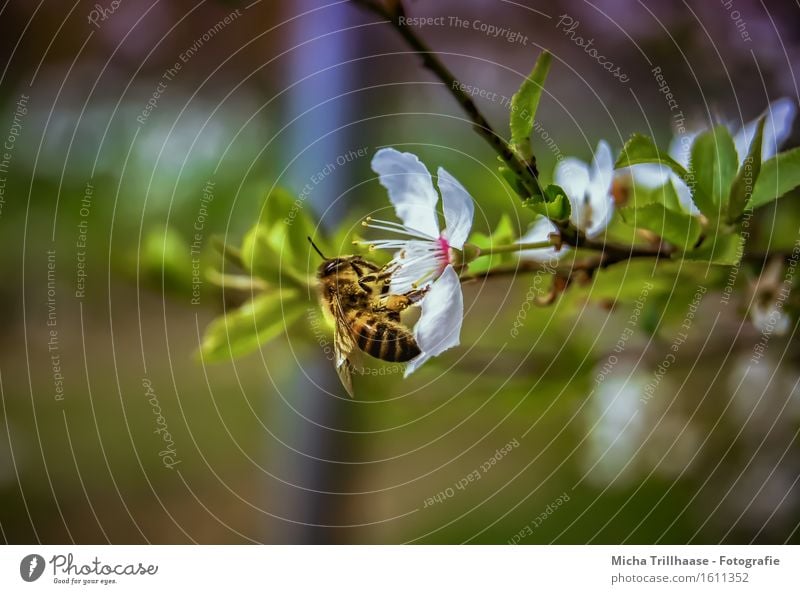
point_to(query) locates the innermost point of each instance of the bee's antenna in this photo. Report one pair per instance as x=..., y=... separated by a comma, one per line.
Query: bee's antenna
x=316, y=249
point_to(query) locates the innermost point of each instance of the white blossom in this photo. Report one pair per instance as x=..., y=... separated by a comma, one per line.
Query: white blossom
x=425, y=253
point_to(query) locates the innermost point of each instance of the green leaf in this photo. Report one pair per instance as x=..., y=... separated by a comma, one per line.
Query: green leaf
x=747, y=177
x=669, y=197
x=504, y=232
x=679, y=229
x=288, y=213
x=713, y=166
x=259, y=254
x=253, y=324
x=556, y=205
x=726, y=250
x=165, y=254
x=524, y=104
x=642, y=149
x=231, y=254
x=277, y=244
x=665, y=195
x=778, y=176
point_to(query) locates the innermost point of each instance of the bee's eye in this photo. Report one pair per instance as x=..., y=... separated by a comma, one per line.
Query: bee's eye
x=331, y=266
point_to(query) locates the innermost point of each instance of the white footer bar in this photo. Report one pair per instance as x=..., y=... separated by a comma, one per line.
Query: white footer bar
x=401, y=569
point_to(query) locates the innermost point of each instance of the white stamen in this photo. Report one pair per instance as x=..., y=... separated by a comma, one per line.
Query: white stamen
x=419, y=258
x=393, y=227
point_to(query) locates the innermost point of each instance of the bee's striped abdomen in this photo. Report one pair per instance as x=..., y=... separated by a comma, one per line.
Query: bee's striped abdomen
x=383, y=339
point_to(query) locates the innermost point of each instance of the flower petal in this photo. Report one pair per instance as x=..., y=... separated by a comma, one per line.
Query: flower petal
x=744, y=137
x=420, y=263
x=540, y=230
x=601, y=203
x=768, y=319
x=650, y=175
x=685, y=196
x=781, y=113
x=416, y=363
x=777, y=127
x=602, y=167
x=680, y=149
x=601, y=210
x=573, y=177
x=458, y=209
x=410, y=189
x=439, y=326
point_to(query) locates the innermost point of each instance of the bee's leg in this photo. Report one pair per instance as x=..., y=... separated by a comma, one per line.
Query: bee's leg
x=394, y=303
x=398, y=303
x=359, y=263
x=370, y=279
x=416, y=295
x=380, y=274
x=383, y=276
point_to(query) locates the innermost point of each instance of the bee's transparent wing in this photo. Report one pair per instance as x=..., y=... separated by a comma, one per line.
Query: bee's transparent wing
x=343, y=345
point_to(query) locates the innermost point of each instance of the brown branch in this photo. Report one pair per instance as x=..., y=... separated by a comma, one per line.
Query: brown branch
x=609, y=254
x=587, y=266
x=525, y=172
x=521, y=267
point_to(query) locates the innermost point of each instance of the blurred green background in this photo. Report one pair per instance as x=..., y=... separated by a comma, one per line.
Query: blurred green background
x=270, y=449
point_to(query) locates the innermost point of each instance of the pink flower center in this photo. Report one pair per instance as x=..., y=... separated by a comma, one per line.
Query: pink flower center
x=444, y=246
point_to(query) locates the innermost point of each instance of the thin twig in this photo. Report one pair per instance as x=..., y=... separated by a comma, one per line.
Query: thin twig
x=526, y=172
x=587, y=266
x=612, y=254
x=521, y=267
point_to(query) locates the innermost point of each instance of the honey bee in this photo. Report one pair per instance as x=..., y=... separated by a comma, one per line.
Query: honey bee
x=366, y=316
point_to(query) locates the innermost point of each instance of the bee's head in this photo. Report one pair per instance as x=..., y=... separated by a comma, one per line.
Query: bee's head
x=329, y=267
